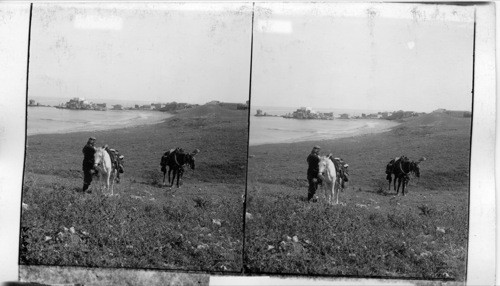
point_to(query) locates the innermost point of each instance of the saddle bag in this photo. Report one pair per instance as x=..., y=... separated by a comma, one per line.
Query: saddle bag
x=341, y=168
x=116, y=159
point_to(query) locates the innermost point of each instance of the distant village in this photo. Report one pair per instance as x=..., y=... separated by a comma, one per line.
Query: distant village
x=78, y=103
x=33, y=103
x=309, y=113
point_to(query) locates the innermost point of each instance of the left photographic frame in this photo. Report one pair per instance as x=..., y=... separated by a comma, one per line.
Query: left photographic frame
x=137, y=135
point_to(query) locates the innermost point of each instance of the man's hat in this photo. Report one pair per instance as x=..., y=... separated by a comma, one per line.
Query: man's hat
x=92, y=138
x=316, y=147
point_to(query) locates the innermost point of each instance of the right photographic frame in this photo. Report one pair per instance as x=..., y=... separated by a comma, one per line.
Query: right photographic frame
x=360, y=140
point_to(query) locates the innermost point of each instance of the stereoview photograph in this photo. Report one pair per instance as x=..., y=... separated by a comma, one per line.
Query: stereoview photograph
x=137, y=132
x=360, y=137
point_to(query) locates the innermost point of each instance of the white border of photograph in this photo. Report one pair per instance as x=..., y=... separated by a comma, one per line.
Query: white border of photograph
x=14, y=24
x=482, y=231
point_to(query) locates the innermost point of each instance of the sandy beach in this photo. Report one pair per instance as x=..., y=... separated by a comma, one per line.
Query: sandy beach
x=273, y=130
x=49, y=120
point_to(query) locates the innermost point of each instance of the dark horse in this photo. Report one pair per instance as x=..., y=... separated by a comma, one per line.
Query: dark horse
x=175, y=160
x=401, y=168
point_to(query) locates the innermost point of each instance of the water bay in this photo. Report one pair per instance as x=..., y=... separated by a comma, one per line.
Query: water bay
x=49, y=120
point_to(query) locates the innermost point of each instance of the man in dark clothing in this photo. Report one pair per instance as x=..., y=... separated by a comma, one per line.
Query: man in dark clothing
x=312, y=172
x=88, y=162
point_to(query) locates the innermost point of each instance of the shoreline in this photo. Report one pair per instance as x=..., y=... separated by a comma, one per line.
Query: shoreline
x=370, y=126
x=99, y=125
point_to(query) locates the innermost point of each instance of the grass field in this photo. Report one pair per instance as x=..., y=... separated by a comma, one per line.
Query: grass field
x=195, y=227
x=376, y=234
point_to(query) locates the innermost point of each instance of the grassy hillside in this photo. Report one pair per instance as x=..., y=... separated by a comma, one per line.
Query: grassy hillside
x=195, y=227
x=421, y=235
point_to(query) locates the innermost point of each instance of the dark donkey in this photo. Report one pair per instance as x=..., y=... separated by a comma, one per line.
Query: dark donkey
x=401, y=168
x=175, y=159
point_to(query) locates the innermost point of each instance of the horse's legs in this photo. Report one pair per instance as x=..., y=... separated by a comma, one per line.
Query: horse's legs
x=164, y=173
x=332, y=194
x=338, y=191
x=324, y=187
x=101, y=182
x=399, y=185
x=405, y=184
x=389, y=178
x=174, y=172
x=328, y=194
x=112, y=182
x=115, y=175
x=107, y=181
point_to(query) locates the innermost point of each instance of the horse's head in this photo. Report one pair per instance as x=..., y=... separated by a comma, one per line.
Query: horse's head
x=324, y=161
x=190, y=158
x=415, y=169
x=98, y=156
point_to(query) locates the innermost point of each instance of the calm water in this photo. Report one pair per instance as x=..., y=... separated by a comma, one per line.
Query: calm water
x=47, y=120
x=268, y=130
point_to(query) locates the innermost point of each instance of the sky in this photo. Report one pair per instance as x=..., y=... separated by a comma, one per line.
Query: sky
x=323, y=55
x=160, y=52
x=363, y=56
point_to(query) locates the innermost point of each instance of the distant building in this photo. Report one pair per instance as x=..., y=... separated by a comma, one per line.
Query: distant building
x=213, y=102
x=308, y=113
x=344, y=116
x=117, y=107
x=78, y=103
x=100, y=106
x=157, y=106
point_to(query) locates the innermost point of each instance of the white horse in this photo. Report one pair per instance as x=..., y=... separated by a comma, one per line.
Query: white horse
x=328, y=174
x=107, y=172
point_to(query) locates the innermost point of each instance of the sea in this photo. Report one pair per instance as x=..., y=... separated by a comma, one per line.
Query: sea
x=49, y=120
x=276, y=129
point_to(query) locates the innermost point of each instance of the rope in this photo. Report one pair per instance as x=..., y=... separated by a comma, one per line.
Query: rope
x=175, y=158
x=401, y=168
